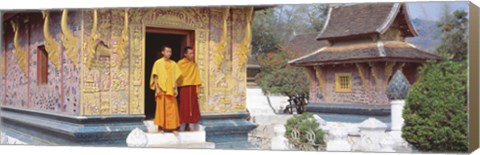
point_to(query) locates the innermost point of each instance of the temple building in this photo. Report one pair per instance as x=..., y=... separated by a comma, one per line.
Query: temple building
x=77, y=77
x=360, y=47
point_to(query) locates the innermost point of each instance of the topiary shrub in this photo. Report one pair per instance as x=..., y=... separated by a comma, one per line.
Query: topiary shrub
x=435, y=113
x=304, y=123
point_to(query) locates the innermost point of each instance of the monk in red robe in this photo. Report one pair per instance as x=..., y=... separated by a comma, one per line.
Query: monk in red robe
x=189, y=84
x=163, y=80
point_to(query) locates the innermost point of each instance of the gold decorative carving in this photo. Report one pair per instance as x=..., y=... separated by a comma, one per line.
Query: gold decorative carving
x=362, y=72
x=122, y=44
x=187, y=18
x=50, y=45
x=137, y=30
x=223, y=44
x=105, y=106
x=245, y=50
x=19, y=54
x=393, y=33
x=2, y=65
x=321, y=77
x=82, y=61
x=388, y=72
x=375, y=72
x=91, y=104
x=69, y=40
x=201, y=58
x=91, y=42
x=117, y=84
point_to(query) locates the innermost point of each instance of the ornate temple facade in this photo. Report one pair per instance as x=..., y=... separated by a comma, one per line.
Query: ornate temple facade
x=64, y=72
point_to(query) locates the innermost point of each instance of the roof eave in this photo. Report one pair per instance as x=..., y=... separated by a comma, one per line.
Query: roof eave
x=346, y=36
x=364, y=60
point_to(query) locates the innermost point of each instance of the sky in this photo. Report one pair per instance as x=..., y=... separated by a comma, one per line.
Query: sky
x=433, y=10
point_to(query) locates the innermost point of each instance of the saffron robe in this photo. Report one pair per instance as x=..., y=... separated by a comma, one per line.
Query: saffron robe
x=189, y=83
x=166, y=112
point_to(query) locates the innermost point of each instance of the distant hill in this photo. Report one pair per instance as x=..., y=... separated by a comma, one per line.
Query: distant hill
x=429, y=35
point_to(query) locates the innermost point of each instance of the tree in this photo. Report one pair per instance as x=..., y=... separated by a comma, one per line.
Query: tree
x=274, y=27
x=436, y=108
x=278, y=77
x=318, y=16
x=265, y=37
x=454, y=36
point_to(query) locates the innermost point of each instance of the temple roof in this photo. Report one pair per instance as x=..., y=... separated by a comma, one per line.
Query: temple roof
x=350, y=21
x=303, y=44
x=382, y=51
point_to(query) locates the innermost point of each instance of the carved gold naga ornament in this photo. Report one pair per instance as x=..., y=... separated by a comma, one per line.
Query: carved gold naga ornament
x=94, y=45
x=244, y=51
x=223, y=44
x=19, y=54
x=69, y=40
x=122, y=44
x=91, y=44
x=50, y=45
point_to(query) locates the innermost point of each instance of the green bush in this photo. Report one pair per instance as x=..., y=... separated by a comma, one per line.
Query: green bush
x=436, y=108
x=304, y=123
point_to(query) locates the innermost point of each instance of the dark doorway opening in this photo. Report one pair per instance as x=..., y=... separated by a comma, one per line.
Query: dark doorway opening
x=155, y=39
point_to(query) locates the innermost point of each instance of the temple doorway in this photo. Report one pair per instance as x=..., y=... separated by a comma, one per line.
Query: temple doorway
x=155, y=39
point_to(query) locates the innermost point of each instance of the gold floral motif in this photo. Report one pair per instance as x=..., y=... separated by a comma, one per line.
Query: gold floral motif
x=19, y=54
x=50, y=45
x=69, y=40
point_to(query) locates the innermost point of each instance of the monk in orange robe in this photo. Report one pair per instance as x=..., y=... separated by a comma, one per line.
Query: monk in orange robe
x=189, y=84
x=163, y=80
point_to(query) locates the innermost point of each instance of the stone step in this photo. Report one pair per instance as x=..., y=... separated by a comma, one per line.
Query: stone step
x=271, y=119
x=166, y=139
x=206, y=145
x=185, y=139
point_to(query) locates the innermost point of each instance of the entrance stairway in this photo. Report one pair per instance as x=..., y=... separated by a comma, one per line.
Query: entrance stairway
x=185, y=139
